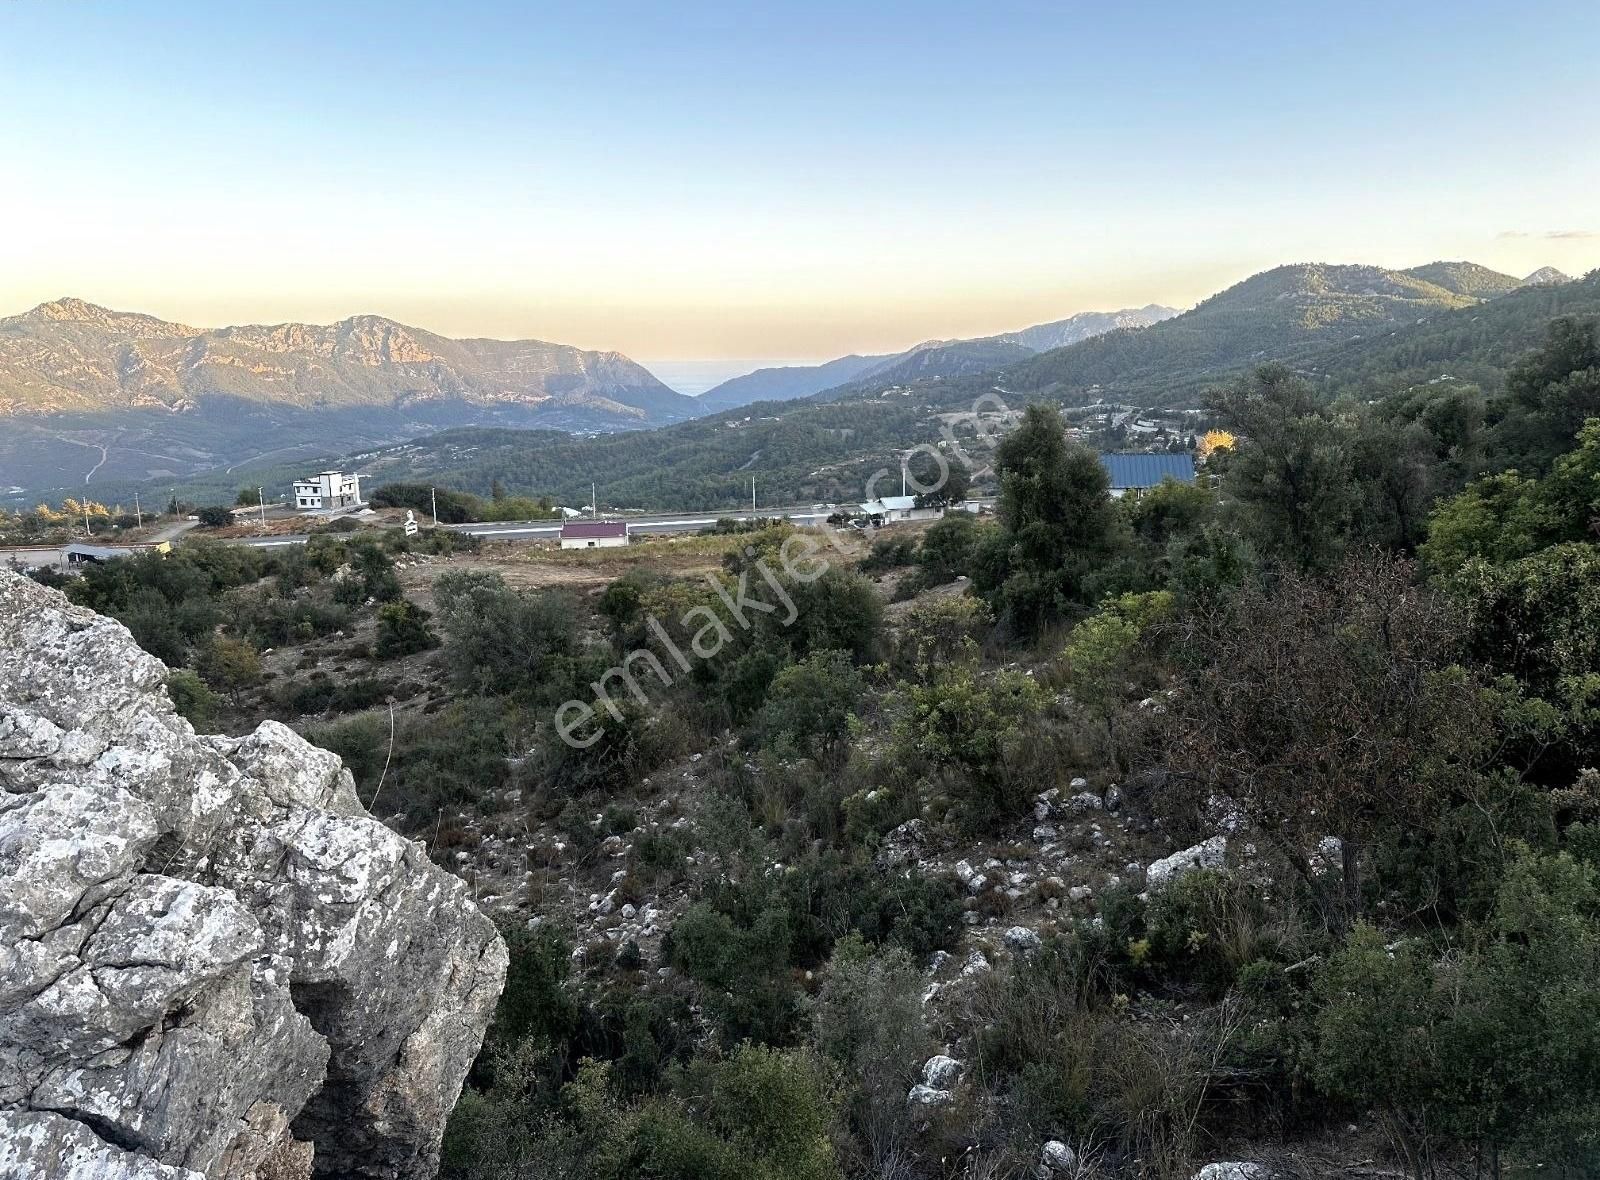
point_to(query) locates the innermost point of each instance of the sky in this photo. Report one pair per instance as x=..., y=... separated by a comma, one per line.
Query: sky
x=710, y=186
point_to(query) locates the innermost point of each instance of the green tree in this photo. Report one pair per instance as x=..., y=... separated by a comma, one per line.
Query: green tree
x=1550, y=393
x=1292, y=474
x=949, y=549
x=1058, y=525
x=214, y=516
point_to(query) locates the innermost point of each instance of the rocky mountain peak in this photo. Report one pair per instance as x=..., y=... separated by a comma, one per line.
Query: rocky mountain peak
x=71, y=310
x=1546, y=276
x=213, y=961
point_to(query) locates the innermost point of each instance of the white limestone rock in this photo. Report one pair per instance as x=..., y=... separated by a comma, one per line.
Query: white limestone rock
x=1022, y=940
x=940, y=1071
x=213, y=961
x=1209, y=854
x=1058, y=1157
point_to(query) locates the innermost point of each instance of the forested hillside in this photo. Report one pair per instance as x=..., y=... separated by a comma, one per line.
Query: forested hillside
x=806, y=450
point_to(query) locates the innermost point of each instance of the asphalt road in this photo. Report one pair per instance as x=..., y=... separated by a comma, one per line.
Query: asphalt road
x=661, y=522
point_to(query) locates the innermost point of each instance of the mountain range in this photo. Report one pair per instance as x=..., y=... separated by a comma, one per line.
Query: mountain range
x=933, y=358
x=1361, y=330
x=120, y=399
x=91, y=394
x=1290, y=313
x=70, y=355
x=86, y=388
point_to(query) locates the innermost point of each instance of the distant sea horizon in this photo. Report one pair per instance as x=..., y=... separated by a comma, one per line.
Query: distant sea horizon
x=694, y=377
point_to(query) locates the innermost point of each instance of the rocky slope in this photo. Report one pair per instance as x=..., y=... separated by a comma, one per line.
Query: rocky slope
x=213, y=961
x=89, y=395
x=71, y=355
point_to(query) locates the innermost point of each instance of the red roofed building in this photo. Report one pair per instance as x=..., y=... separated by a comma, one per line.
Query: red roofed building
x=594, y=534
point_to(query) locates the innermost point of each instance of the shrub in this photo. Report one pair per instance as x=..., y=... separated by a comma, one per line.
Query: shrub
x=499, y=642
x=230, y=665
x=1481, y=1044
x=809, y=707
x=950, y=548
x=889, y=553
x=193, y=700
x=403, y=630
x=944, y=631
x=967, y=726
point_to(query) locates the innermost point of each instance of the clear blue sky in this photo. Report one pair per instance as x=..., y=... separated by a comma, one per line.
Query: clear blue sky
x=783, y=180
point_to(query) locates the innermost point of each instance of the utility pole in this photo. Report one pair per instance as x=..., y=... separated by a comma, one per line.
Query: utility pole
x=433, y=498
x=594, y=503
x=86, y=531
x=137, y=512
x=752, y=493
x=261, y=503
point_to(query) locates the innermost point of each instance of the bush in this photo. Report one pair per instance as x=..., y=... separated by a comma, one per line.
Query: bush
x=888, y=553
x=230, y=665
x=950, y=548
x=403, y=630
x=967, y=727
x=809, y=707
x=499, y=642
x=1480, y=1044
x=194, y=702
x=458, y=756
x=944, y=631
x=1204, y=928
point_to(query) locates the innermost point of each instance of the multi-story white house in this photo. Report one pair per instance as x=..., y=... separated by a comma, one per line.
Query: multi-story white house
x=327, y=489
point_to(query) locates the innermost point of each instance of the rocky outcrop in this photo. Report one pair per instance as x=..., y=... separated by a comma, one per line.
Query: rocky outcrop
x=213, y=961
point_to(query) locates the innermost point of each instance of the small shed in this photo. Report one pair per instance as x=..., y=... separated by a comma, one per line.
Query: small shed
x=594, y=534
x=893, y=509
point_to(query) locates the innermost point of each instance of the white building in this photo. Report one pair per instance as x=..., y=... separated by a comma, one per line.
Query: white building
x=894, y=509
x=327, y=489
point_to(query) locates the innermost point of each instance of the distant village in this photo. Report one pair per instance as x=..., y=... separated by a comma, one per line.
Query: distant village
x=1156, y=445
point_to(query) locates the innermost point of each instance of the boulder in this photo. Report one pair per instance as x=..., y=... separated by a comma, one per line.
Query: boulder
x=940, y=1071
x=1022, y=940
x=903, y=844
x=1233, y=1171
x=1058, y=1157
x=213, y=960
x=1084, y=802
x=1209, y=854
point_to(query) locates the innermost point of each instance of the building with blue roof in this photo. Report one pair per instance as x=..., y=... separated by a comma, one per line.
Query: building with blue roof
x=1135, y=472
